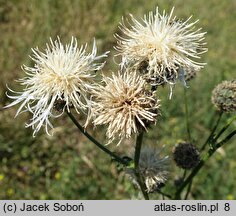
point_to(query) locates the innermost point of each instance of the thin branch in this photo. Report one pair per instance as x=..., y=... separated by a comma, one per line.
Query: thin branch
x=184, y=174
x=187, y=115
x=209, y=139
x=113, y=155
x=188, y=190
x=225, y=140
x=225, y=127
x=136, y=165
x=164, y=194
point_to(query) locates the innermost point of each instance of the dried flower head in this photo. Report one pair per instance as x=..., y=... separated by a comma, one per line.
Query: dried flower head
x=161, y=46
x=61, y=77
x=224, y=96
x=153, y=169
x=186, y=155
x=125, y=105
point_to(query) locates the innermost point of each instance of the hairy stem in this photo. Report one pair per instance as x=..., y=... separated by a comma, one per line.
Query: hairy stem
x=104, y=149
x=140, y=179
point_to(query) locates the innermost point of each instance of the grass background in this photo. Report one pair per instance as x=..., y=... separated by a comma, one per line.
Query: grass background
x=66, y=165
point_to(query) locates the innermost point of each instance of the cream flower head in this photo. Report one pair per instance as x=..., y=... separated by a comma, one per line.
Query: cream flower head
x=152, y=167
x=63, y=74
x=125, y=105
x=160, y=46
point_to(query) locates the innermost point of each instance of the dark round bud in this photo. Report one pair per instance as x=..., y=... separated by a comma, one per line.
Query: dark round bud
x=186, y=155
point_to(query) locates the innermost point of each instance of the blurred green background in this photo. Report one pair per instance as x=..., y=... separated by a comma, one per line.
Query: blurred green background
x=68, y=166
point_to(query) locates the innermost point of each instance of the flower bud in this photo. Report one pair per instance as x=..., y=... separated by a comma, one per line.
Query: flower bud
x=186, y=155
x=224, y=96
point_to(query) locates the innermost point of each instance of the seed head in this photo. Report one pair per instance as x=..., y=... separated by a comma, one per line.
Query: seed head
x=224, y=96
x=186, y=155
x=153, y=169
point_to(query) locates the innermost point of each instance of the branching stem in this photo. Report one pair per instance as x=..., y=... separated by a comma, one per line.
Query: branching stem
x=102, y=147
x=202, y=162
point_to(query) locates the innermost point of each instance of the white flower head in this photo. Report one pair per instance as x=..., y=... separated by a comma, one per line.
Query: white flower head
x=125, y=105
x=63, y=74
x=152, y=167
x=160, y=46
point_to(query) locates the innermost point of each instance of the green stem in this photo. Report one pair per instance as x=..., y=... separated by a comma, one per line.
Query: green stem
x=136, y=166
x=184, y=175
x=183, y=178
x=209, y=139
x=230, y=121
x=187, y=115
x=164, y=194
x=225, y=140
x=188, y=190
x=201, y=163
x=113, y=155
x=138, y=149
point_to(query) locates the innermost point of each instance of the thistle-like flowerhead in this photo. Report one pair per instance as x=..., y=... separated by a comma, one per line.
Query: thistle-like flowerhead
x=125, y=105
x=161, y=47
x=152, y=167
x=62, y=76
x=186, y=155
x=224, y=96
